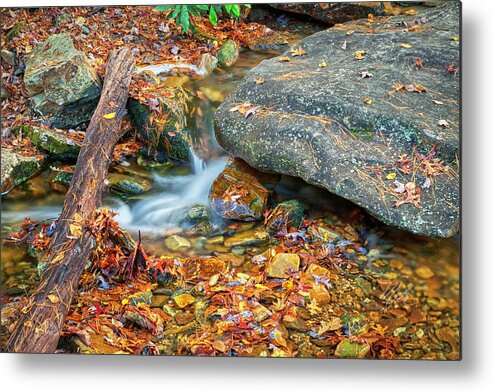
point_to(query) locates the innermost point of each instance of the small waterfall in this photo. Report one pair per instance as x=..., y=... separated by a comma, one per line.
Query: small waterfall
x=172, y=196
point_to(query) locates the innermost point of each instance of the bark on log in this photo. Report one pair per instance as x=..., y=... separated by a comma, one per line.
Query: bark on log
x=38, y=330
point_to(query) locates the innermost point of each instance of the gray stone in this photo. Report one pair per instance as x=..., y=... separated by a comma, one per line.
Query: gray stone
x=61, y=83
x=17, y=169
x=313, y=123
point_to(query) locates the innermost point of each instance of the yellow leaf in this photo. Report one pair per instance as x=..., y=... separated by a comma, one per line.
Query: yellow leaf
x=437, y=102
x=391, y=176
x=260, y=80
x=368, y=101
x=454, y=38
x=75, y=230
x=279, y=339
x=298, y=51
x=183, y=300
x=359, y=55
x=404, y=45
x=323, y=64
x=371, y=18
x=124, y=301
x=411, y=12
x=53, y=298
x=109, y=116
x=284, y=58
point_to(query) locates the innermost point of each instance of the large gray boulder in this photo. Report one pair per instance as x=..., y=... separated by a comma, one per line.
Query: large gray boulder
x=16, y=169
x=356, y=115
x=61, y=83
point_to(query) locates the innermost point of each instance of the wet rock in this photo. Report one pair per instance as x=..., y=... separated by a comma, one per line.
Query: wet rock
x=288, y=213
x=183, y=318
x=203, y=268
x=282, y=263
x=315, y=125
x=322, y=233
x=35, y=188
x=198, y=213
x=348, y=349
x=144, y=297
x=183, y=300
x=57, y=144
x=424, y=272
x=228, y=54
x=246, y=238
x=269, y=43
x=331, y=13
x=61, y=83
x=122, y=184
x=60, y=181
x=8, y=57
x=163, y=140
x=17, y=169
x=236, y=194
x=354, y=324
x=206, y=64
x=175, y=242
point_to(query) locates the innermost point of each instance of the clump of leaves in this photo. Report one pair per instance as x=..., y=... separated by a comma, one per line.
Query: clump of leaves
x=185, y=14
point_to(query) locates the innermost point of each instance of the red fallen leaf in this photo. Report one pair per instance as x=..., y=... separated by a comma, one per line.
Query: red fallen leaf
x=412, y=195
x=171, y=134
x=419, y=62
x=451, y=68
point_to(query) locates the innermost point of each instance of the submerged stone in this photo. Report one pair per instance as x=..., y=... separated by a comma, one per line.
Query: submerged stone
x=61, y=83
x=175, y=242
x=282, y=263
x=287, y=213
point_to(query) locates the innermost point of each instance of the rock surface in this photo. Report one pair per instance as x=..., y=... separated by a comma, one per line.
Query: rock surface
x=57, y=144
x=228, y=54
x=331, y=13
x=237, y=193
x=342, y=115
x=61, y=83
x=17, y=168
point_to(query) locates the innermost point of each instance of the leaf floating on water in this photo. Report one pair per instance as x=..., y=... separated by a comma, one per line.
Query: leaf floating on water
x=109, y=116
x=298, y=51
x=359, y=54
x=368, y=101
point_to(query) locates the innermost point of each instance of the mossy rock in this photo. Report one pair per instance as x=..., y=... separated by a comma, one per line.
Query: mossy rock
x=228, y=54
x=348, y=349
x=16, y=30
x=169, y=140
x=289, y=213
x=57, y=144
x=17, y=169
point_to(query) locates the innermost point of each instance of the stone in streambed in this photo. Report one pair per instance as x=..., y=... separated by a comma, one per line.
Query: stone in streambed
x=175, y=242
x=315, y=125
x=58, y=144
x=246, y=238
x=61, y=83
x=281, y=263
x=17, y=169
x=128, y=185
x=228, y=54
x=236, y=194
x=289, y=213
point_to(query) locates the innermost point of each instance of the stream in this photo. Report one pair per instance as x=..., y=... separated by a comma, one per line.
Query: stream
x=158, y=213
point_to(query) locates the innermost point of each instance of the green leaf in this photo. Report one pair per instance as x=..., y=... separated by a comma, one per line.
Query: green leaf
x=213, y=16
x=228, y=7
x=162, y=8
x=235, y=10
x=184, y=19
x=202, y=7
x=175, y=12
x=193, y=10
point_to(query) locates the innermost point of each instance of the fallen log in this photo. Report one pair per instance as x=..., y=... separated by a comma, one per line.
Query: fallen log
x=38, y=330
